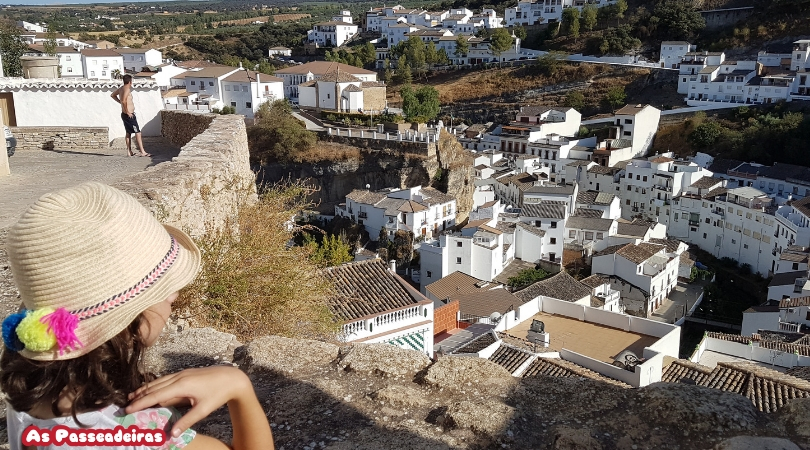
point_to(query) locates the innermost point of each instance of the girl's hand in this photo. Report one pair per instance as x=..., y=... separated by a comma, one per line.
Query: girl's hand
x=205, y=389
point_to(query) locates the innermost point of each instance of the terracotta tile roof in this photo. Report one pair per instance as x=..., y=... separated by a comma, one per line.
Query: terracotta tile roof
x=793, y=257
x=432, y=196
x=212, y=72
x=602, y=170
x=476, y=345
x=490, y=229
x=588, y=212
x=681, y=369
x=595, y=198
x=715, y=192
x=483, y=303
x=321, y=67
x=250, y=76
x=609, y=250
x=803, y=205
x=365, y=196
x=767, y=389
x=531, y=229
x=410, y=206
x=456, y=283
x=632, y=229
x=800, y=372
x=372, y=84
x=794, y=302
x=661, y=159
x=561, y=286
x=545, y=209
x=560, y=368
x=522, y=181
x=670, y=244
x=339, y=77
x=476, y=223
x=367, y=288
x=594, y=281
x=510, y=358
x=578, y=163
x=639, y=253
x=588, y=223
x=552, y=189
x=729, y=337
x=706, y=182
x=99, y=52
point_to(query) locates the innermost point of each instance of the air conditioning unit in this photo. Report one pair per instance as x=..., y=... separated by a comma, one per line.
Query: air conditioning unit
x=537, y=334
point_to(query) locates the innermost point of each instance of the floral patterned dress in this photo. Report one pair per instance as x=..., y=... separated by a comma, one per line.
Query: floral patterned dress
x=104, y=419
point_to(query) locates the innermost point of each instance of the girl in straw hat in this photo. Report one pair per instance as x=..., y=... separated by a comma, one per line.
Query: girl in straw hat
x=97, y=275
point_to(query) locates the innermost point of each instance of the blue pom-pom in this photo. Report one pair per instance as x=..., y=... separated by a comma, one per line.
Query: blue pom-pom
x=10, y=338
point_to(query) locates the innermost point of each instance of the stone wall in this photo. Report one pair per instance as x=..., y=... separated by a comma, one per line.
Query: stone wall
x=61, y=138
x=202, y=188
x=179, y=127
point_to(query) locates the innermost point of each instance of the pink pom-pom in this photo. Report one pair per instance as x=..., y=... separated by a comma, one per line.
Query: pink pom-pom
x=63, y=325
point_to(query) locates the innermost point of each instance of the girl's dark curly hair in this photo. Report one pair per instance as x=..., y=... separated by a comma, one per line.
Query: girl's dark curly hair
x=103, y=376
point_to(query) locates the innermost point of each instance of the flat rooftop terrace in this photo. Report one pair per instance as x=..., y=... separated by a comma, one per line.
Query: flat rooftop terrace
x=589, y=339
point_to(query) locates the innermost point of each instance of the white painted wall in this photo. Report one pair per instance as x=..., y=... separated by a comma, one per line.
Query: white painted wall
x=87, y=107
x=755, y=321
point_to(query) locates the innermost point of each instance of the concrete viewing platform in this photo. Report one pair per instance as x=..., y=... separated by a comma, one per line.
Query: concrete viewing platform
x=37, y=172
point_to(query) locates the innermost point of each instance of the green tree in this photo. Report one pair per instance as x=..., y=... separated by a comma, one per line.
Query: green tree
x=462, y=46
x=333, y=250
x=520, y=33
x=705, y=134
x=431, y=54
x=526, y=277
x=12, y=47
x=576, y=100
x=677, y=19
x=500, y=42
x=615, y=97
x=49, y=46
x=570, y=19
x=388, y=75
x=620, y=8
x=550, y=62
x=441, y=57
x=278, y=135
x=589, y=14
x=421, y=104
x=404, y=70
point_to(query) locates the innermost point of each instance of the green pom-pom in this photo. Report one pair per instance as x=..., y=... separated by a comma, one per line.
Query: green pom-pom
x=34, y=334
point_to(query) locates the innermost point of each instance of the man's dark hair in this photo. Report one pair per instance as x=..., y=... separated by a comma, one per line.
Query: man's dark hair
x=127, y=79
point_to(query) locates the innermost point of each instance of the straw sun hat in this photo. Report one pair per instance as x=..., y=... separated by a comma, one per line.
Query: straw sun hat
x=87, y=261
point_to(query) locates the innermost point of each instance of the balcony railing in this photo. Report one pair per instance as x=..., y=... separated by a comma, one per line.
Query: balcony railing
x=362, y=215
x=789, y=327
x=396, y=316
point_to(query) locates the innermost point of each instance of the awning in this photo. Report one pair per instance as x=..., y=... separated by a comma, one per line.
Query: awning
x=413, y=341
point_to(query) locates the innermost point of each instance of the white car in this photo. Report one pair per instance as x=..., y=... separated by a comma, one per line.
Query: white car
x=11, y=141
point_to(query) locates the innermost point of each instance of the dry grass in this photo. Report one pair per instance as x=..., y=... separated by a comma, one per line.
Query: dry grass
x=330, y=151
x=247, y=21
x=289, y=17
x=252, y=285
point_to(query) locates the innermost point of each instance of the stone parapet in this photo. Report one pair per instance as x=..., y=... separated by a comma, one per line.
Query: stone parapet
x=201, y=189
x=78, y=139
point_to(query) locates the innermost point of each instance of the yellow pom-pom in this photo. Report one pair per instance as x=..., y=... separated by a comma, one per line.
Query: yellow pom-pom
x=34, y=334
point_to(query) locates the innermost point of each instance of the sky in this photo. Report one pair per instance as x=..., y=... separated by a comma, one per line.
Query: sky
x=72, y=2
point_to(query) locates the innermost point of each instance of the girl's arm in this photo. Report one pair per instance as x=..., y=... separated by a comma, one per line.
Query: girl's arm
x=206, y=390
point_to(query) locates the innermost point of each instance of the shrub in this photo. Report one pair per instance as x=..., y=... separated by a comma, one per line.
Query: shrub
x=526, y=277
x=278, y=135
x=252, y=284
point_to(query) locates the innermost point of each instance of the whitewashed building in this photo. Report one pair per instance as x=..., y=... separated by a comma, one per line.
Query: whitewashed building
x=673, y=52
x=207, y=84
x=295, y=75
x=377, y=306
x=246, y=90
x=136, y=59
x=332, y=33
x=101, y=64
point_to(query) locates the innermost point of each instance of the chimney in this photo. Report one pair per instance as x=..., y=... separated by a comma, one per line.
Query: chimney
x=240, y=64
x=258, y=77
x=392, y=266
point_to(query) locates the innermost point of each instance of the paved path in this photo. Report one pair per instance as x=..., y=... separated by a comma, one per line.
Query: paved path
x=673, y=307
x=34, y=173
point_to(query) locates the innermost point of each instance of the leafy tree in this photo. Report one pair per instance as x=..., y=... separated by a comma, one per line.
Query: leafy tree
x=615, y=97
x=589, y=14
x=620, y=8
x=49, y=46
x=550, y=63
x=278, y=135
x=570, y=19
x=705, y=134
x=382, y=239
x=431, y=54
x=404, y=70
x=617, y=41
x=12, y=47
x=462, y=47
x=520, y=33
x=402, y=247
x=388, y=75
x=441, y=57
x=422, y=104
x=500, y=42
x=576, y=100
x=333, y=250
x=526, y=277
x=677, y=19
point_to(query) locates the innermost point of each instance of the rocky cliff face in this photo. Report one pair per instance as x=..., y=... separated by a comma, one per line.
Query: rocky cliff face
x=321, y=395
x=380, y=169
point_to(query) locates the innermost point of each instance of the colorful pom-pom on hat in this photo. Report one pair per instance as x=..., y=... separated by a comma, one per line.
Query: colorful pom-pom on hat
x=34, y=333
x=10, y=337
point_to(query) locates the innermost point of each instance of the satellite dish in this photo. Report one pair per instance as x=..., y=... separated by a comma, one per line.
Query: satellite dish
x=368, y=186
x=495, y=317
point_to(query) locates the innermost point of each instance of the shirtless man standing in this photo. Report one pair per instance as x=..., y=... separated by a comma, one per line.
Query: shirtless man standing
x=123, y=95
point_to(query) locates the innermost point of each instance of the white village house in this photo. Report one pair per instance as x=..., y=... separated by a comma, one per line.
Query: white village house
x=136, y=59
x=246, y=90
x=101, y=64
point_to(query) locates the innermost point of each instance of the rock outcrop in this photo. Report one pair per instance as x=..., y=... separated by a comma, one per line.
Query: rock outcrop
x=322, y=395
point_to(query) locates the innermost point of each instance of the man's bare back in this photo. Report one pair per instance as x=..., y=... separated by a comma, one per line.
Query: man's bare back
x=124, y=96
